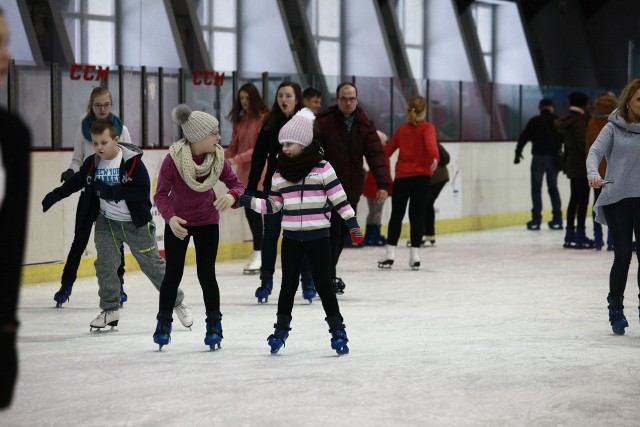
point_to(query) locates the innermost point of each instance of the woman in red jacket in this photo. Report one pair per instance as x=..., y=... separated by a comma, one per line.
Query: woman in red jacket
x=417, y=160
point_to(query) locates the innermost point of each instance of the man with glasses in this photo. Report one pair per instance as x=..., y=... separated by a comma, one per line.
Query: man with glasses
x=347, y=135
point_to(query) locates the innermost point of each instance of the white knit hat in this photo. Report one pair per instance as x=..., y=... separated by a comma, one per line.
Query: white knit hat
x=299, y=129
x=196, y=125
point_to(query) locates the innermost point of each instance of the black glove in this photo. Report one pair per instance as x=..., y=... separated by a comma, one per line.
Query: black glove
x=48, y=201
x=519, y=157
x=66, y=175
x=8, y=367
x=244, y=200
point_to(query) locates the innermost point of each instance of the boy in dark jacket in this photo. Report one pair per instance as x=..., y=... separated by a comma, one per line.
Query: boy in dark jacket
x=119, y=182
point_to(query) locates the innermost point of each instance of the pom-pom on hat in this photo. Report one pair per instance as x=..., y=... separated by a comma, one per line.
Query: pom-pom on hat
x=299, y=129
x=196, y=125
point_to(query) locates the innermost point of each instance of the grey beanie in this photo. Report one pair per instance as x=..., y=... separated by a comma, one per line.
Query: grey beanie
x=298, y=129
x=196, y=125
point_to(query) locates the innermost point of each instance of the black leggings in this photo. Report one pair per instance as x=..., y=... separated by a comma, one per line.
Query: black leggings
x=412, y=190
x=623, y=219
x=319, y=254
x=255, y=224
x=430, y=212
x=578, y=202
x=205, y=239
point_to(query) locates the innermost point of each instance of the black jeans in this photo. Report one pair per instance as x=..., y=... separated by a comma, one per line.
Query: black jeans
x=412, y=190
x=319, y=254
x=577, y=209
x=205, y=239
x=623, y=219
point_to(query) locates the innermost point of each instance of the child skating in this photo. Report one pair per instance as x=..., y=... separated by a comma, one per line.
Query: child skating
x=306, y=189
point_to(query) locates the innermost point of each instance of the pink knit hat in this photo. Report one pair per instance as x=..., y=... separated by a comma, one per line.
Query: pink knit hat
x=299, y=129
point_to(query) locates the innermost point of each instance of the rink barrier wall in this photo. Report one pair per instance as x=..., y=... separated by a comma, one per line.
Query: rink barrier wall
x=486, y=191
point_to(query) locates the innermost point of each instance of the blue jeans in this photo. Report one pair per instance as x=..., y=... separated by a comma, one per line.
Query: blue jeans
x=541, y=165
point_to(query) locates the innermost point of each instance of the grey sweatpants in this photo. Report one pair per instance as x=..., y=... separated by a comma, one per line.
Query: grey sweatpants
x=109, y=235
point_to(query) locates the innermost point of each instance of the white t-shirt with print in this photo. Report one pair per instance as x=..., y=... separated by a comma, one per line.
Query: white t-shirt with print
x=109, y=172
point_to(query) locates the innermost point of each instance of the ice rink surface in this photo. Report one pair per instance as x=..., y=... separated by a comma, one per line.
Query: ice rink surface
x=498, y=328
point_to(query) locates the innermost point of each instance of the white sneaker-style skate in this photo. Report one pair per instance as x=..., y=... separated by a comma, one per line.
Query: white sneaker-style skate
x=254, y=263
x=104, y=319
x=184, y=315
x=389, y=257
x=414, y=259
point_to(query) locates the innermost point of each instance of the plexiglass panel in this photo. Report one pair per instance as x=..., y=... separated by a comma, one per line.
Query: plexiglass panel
x=34, y=103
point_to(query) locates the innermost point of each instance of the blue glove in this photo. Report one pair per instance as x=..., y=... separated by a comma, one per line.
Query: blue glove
x=48, y=201
x=244, y=200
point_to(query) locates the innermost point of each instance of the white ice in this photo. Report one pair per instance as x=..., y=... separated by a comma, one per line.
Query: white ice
x=502, y=327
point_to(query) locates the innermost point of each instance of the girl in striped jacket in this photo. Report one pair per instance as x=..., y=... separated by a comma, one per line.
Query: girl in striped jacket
x=305, y=187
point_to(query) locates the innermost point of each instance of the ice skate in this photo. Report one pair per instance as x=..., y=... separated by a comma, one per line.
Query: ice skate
x=308, y=286
x=339, y=338
x=123, y=295
x=414, y=259
x=263, y=292
x=581, y=241
x=162, y=335
x=280, y=334
x=184, y=315
x=428, y=239
x=533, y=224
x=616, y=315
x=389, y=257
x=213, y=336
x=338, y=285
x=597, y=236
x=373, y=237
x=62, y=295
x=555, y=224
x=254, y=263
x=569, y=235
x=104, y=319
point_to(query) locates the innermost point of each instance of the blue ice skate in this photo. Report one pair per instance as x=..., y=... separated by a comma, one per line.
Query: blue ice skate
x=616, y=315
x=263, y=292
x=62, y=295
x=308, y=286
x=339, y=338
x=162, y=335
x=123, y=295
x=279, y=336
x=214, y=336
x=534, y=224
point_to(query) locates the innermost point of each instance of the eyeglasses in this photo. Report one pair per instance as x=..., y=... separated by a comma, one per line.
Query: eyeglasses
x=105, y=106
x=347, y=100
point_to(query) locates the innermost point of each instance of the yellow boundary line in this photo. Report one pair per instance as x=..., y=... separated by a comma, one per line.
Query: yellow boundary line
x=52, y=272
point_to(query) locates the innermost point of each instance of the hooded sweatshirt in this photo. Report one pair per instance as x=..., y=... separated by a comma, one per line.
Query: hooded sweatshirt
x=619, y=142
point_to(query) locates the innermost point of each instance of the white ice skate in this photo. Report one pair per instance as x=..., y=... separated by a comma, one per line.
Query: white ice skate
x=414, y=259
x=254, y=264
x=389, y=257
x=184, y=315
x=104, y=319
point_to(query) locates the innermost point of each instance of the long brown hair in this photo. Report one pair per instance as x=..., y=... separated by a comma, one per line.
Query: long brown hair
x=276, y=117
x=623, y=102
x=256, y=104
x=96, y=92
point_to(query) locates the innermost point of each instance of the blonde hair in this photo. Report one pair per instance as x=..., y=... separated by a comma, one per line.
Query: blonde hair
x=96, y=92
x=625, y=97
x=416, y=110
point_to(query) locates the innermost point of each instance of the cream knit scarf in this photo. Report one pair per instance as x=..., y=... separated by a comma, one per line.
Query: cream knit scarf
x=189, y=171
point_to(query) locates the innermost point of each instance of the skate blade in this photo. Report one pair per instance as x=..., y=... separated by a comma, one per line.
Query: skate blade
x=250, y=272
x=385, y=264
x=104, y=330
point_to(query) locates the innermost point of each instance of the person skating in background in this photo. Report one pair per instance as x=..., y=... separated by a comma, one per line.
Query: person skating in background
x=348, y=135
x=602, y=107
x=573, y=127
x=118, y=182
x=190, y=208
x=545, y=145
x=417, y=160
x=99, y=108
x=312, y=99
x=373, y=235
x=618, y=205
x=288, y=101
x=437, y=182
x=305, y=188
x=15, y=176
x=247, y=116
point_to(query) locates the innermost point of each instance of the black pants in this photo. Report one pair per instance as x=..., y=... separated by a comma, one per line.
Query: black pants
x=578, y=202
x=430, y=212
x=339, y=231
x=80, y=240
x=412, y=190
x=319, y=254
x=255, y=225
x=205, y=239
x=623, y=219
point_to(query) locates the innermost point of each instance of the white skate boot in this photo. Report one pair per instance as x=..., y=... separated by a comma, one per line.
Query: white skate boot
x=184, y=315
x=389, y=257
x=104, y=319
x=254, y=263
x=414, y=259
